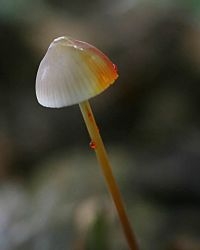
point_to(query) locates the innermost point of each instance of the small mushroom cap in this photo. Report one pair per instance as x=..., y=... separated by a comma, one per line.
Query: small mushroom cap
x=71, y=72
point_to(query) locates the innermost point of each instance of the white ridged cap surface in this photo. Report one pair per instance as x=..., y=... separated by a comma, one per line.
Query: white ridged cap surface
x=71, y=72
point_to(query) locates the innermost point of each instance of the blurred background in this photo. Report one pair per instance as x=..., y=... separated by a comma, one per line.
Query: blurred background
x=52, y=194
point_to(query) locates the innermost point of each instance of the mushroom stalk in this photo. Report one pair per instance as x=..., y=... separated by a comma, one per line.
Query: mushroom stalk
x=102, y=158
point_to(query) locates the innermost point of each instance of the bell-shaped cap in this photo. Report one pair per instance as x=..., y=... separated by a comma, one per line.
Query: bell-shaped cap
x=71, y=72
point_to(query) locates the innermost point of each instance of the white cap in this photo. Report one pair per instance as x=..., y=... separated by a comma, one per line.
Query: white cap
x=71, y=72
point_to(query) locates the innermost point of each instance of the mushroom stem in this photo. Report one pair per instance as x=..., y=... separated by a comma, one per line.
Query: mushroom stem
x=102, y=158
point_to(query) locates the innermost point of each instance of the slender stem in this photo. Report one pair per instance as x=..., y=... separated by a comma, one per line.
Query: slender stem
x=107, y=172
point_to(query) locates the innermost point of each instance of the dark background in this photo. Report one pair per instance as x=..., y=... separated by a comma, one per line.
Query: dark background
x=52, y=194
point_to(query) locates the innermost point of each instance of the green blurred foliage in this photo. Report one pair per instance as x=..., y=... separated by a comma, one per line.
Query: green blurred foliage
x=98, y=235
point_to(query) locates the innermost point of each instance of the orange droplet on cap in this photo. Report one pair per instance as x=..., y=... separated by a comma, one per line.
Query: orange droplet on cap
x=115, y=67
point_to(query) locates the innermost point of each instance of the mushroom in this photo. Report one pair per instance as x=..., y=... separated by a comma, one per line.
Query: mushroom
x=70, y=73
